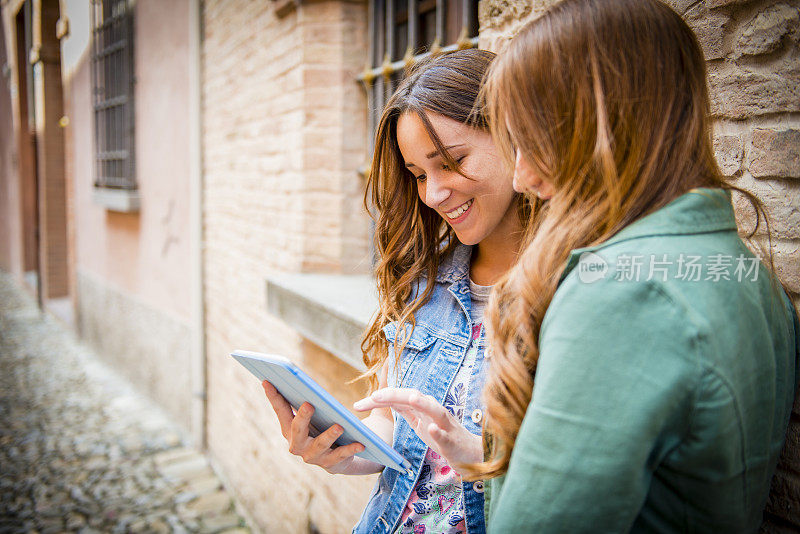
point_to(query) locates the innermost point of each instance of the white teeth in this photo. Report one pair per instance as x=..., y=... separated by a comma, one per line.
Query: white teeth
x=459, y=210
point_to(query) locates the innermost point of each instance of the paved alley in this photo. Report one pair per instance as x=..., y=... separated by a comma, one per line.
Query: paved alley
x=81, y=451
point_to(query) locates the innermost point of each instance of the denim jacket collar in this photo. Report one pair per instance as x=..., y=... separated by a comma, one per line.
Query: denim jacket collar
x=455, y=266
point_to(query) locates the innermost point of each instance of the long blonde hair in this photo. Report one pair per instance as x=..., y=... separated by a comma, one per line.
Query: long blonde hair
x=608, y=101
x=410, y=238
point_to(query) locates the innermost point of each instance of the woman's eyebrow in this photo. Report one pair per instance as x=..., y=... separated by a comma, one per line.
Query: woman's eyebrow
x=435, y=153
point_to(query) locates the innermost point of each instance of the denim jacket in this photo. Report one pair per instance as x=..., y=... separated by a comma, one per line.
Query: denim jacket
x=429, y=363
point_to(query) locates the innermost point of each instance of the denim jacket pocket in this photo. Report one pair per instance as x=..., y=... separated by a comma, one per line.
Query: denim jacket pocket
x=418, y=343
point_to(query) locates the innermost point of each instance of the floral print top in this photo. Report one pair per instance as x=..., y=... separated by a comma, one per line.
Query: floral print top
x=436, y=504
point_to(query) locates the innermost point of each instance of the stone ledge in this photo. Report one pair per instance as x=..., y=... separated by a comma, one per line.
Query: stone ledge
x=330, y=310
x=285, y=7
x=121, y=200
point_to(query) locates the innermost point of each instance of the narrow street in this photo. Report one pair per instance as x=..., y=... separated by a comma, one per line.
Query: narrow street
x=81, y=450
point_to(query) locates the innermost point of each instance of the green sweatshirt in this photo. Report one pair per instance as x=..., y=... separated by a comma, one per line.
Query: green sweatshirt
x=666, y=376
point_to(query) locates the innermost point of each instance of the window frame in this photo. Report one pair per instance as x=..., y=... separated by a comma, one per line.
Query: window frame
x=112, y=81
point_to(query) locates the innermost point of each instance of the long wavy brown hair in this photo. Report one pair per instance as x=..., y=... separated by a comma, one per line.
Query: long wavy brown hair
x=410, y=238
x=608, y=101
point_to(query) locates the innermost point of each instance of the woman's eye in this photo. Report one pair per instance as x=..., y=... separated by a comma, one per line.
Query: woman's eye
x=421, y=177
x=446, y=167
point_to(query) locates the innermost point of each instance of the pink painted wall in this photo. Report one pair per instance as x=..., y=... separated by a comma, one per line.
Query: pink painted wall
x=147, y=254
x=10, y=222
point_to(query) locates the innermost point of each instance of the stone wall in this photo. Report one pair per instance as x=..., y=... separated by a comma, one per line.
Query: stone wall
x=283, y=134
x=754, y=75
x=149, y=346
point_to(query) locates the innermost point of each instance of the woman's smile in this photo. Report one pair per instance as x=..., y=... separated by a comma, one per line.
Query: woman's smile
x=460, y=213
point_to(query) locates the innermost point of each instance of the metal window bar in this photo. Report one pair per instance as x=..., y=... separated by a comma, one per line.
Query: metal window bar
x=441, y=12
x=413, y=26
x=112, y=85
x=469, y=16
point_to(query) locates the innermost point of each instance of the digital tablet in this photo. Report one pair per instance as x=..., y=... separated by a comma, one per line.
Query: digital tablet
x=297, y=388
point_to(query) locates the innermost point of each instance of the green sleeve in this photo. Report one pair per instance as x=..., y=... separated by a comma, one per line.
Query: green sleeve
x=613, y=391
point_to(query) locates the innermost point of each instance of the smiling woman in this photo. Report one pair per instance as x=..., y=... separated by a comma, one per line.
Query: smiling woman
x=475, y=198
x=448, y=225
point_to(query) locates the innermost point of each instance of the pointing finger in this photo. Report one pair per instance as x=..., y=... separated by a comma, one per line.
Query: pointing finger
x=398, y=397
x=410, y=399
x=428, y=405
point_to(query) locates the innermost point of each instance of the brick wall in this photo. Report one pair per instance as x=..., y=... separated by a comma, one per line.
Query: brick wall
x=754, y=76
x=50, y=158
x=283, y=134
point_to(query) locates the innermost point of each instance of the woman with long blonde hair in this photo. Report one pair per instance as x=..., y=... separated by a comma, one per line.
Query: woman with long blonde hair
x=448, y=224
x=643, y=361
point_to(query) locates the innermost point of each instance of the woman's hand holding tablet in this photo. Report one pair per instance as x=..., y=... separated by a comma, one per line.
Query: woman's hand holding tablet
x=319, y=428
x=296, y=428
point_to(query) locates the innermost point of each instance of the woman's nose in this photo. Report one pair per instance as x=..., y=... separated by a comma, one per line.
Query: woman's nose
x=436, y=191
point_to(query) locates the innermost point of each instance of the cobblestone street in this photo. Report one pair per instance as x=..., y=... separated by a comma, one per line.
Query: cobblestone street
x=81, y=451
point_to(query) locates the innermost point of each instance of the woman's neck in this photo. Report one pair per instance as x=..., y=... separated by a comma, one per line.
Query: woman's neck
x=497, y=253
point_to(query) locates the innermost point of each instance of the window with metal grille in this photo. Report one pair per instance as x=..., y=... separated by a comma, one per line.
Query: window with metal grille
x=112, y=87
x=402, y=32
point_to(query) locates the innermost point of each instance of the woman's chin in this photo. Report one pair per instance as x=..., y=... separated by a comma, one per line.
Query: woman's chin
x=468, y=238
